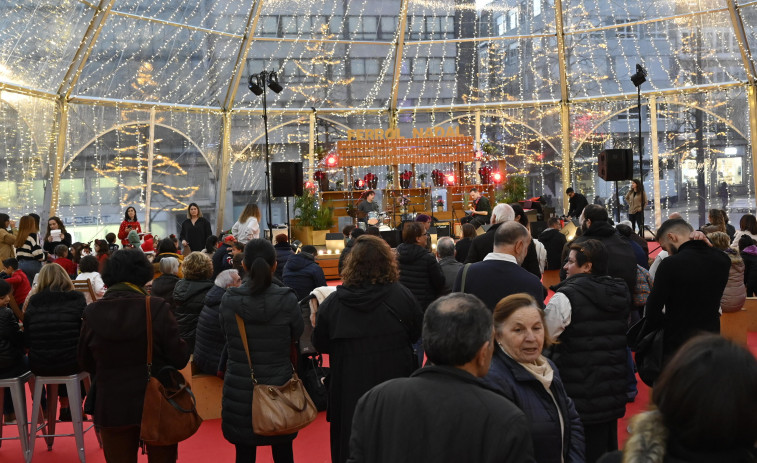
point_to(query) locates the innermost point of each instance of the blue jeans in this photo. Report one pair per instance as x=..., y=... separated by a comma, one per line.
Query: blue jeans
x=30, y=267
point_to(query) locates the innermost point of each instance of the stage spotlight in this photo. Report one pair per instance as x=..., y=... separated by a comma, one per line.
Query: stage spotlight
x=331, y=160
x=640, y=77
x=450, y=179
x=496, y=177
x=273, y=83
x=254, y=85
x=359, y=184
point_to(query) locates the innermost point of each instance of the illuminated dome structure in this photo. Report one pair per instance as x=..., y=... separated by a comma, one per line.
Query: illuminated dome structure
x=109, y=103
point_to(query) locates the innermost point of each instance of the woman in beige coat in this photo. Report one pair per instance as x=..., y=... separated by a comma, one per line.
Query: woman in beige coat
x=637, y=201
x=734, y=293
x=7, y=237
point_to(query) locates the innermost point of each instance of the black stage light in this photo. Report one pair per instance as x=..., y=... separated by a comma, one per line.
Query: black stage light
x=273, y=83
x=254, y=85
x=640, y=77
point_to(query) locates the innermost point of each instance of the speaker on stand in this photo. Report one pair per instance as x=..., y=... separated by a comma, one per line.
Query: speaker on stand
x=286, y=181
x=614, y=165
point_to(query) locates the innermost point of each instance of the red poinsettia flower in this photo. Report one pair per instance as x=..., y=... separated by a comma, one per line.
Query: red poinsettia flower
x=319, y=174
x=369, y=177
x=407, y=175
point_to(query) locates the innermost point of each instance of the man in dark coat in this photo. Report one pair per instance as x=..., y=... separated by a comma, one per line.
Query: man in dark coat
x=500, y=274
x=222, y=257
x=302, y=273
x=480, y=209
x=443, y=412
x=688, y=284
x=622, y=260
x=419, y=270
x=209, y=340
x=354, y=234
x=445, y=252
x=577, y=202
x=484, y=244
x=283, y=252
x=189, y=298
x=553, y=242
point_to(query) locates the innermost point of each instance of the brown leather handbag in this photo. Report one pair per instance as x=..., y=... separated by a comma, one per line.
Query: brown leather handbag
x=278, y=410
x=169, y=413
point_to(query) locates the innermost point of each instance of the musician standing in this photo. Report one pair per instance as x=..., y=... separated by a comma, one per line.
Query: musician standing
x=480, y=208
x=367, y=205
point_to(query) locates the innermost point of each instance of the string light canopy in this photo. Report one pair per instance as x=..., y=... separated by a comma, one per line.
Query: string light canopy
x=89, y=100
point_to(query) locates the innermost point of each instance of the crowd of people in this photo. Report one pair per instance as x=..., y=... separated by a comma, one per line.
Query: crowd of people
x=452, y=353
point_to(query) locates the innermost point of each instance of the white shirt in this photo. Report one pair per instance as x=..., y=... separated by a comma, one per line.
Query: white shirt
x=244, y=232
x=737, y=236
x=97, y=284
x=557, y=314
x=653, y=268
x=501, y=256
x=541, y=255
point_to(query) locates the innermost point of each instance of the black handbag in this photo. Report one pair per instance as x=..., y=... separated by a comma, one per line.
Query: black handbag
x=647, y=342
x=314, y=376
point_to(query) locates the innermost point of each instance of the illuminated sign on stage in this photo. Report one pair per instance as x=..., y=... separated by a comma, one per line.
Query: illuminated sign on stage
x=396, y=133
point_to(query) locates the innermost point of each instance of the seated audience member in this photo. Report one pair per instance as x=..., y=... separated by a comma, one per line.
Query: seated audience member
x=633, y=236
x=133, y=240
x=346, y=232
x=89, y=267
x=702, y=409
x=18, y=281
x=532, y=382
x=748, y=252
x=588, y=315
x=626, y=232
x=463, y=245
x=373, y=230
x=189, y=294
x=102, y=252
x=166, y=248
x=211, y=245
x=164, y=285
x=61, y=251
x=222, y=257
x=500, y=274
x=112, y=245
x=12, y=359
x=748, y=227
x=483, y=244
x=52, y=322
x=302, y=273
x=532, y=262
x=370, y=309
x=210, y=340
x=734, y=294
x=445, y=253
x=553, y=241
x=443, y=412
x=237, y=263
x=354, y=234
x=283, y=253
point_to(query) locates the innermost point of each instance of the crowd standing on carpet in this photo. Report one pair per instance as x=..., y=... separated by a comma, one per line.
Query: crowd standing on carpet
x=510, y=374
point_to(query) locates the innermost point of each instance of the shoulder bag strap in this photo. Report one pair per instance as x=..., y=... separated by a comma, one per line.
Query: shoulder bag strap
x=243, y=333
x=148, y=314
x=465, y=276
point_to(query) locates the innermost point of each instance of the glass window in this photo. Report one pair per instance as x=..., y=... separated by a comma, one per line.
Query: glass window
x=355, y=26
x=8, y=193
x=371, y=67
x=303, y=24
x=730, y=170
x=449, y=66
x=537, y=7
x=335, y=24
x=270, y=27
x=419, y=67
x=289, y=26
x=106, y=190
x=435, y=66
x=388, y=26
x=370, y=26
x=358, y=67
x=73, y=191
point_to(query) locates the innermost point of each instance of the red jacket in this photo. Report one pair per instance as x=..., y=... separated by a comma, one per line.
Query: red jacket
x=67, y=264
x=123, y=233
x=21, y=287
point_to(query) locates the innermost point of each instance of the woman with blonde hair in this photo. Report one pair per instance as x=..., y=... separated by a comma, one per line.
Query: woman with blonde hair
x=52, y=322
x=189, y=294
x=734, y=294
x=195, y=230
x=29, y=253
x=248, y=226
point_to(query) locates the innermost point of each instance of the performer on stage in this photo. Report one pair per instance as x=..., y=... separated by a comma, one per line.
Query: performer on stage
x=479, y=209
x=366, y=206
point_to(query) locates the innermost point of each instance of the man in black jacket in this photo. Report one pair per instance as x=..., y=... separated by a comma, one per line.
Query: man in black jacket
x=622, y=260
x=500, y=274
x=302, y=273
x=553, y=242
x=417, y=419
x=688, y=284
x=480, y=209
x=577, y=202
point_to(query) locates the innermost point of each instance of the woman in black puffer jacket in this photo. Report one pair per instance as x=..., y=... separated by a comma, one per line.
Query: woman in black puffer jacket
x=210, y=341
x=189, y=294
x=52, y=323
x=272, y=321
x=419, y=270
x=164, y=285
x=11, y=338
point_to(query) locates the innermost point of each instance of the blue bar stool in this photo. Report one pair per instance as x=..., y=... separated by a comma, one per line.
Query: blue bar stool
x=16, y=386
x=74, y=397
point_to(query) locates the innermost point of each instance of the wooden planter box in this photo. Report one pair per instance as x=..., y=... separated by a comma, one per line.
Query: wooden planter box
x=309, y=236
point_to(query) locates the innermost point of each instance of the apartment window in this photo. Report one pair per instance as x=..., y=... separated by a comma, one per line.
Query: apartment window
x=289, y=26
x=537, y=7
x=270, y=26
x=335, y=24
x=630, y=31
x=420, y=67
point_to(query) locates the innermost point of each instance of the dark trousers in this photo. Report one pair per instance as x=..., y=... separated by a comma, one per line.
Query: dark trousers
x=121, y=445
x=636, y=221
x=282, y=453
x=600, y=439
x=475, y=220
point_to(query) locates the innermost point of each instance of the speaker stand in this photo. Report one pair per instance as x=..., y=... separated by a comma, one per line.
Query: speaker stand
x=289, y=224
x=617, y=204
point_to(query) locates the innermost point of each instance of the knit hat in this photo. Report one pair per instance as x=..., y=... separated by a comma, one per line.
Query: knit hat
x=133, y=238
x=229, y=239
x=149, y=245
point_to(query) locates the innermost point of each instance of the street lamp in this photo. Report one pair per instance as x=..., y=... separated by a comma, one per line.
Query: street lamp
x=257, y=84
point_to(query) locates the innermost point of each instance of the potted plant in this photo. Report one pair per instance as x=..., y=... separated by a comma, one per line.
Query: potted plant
x=310, y=220
x=339, y=185
x=405, y=178
x=322, y=178
x=437, y=177
x=422, y=176
x=371, y=180
x=512, y=191
x=485, y=172
x=389, y=178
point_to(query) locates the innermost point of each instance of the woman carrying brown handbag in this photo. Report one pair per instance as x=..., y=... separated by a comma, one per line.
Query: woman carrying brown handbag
x=272, y=320
x=113, y=347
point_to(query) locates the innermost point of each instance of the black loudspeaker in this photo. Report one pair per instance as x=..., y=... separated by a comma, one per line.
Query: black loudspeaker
x=615, y=165
x=442, y=229
x=286, y=179
x=392, y=237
